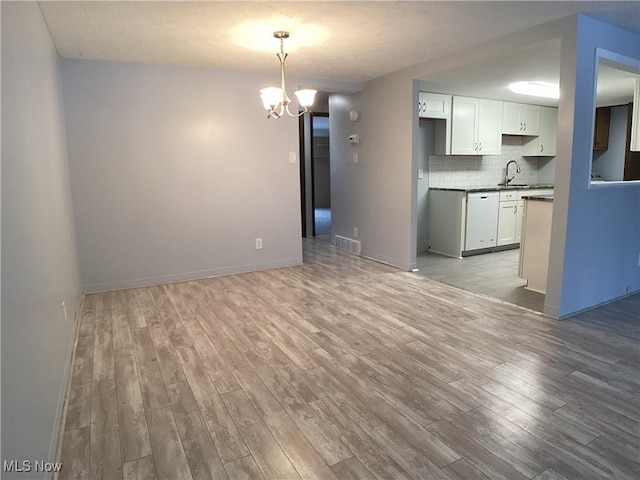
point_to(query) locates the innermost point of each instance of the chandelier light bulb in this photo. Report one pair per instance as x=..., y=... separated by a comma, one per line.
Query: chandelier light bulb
x=271, y=96
x=305, y=97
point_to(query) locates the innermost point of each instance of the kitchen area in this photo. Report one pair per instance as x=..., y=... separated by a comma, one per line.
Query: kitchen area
x=486, y=179
x=483, y=162
x=487, y=161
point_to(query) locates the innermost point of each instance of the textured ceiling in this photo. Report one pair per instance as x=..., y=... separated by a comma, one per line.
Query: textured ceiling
x=349, y=41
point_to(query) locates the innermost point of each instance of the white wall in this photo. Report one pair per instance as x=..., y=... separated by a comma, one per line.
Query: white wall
x=379, y=195
x=345, y=185
x=595, y=246
x=375, y=195
x=596, y=233
x=175, y=171
x=39, y=263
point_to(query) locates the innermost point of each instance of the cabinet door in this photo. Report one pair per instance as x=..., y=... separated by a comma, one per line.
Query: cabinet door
x=434, y=105
x=530, y=119
x=507, y=222
x=519, y=215
x=545, y=144
x=520, y=119
x=601, y=128
x=511, y=124
x=489, y=124
x=548, y=131
x=464, y=126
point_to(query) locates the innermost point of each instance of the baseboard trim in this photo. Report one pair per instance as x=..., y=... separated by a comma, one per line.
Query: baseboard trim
x=601, y=304
x=55, y=450
x=186, y=276
x=407, y=267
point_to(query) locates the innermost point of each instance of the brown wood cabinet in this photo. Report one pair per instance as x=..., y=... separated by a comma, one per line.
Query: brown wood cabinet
x=601, y=128
x=631, y=159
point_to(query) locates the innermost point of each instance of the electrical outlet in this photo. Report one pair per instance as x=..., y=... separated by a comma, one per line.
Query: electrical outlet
x=355, y=157
x=292, y=157
x=355, y=232
x=258, y=243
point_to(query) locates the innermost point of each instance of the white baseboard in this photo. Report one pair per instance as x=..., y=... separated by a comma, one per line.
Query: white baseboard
x=186, y=276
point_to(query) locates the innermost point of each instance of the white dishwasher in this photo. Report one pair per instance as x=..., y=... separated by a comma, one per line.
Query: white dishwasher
x=482, y=220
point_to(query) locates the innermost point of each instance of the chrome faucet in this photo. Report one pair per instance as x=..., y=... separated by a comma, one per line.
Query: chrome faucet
x=507, y=180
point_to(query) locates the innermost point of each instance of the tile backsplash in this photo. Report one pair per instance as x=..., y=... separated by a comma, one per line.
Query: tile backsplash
x=480, y=171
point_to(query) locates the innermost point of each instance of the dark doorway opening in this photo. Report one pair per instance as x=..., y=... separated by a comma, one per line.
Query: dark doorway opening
x=315, y=175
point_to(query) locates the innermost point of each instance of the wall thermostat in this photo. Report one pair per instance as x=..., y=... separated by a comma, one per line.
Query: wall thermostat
x=353, y=139
x=354, y=115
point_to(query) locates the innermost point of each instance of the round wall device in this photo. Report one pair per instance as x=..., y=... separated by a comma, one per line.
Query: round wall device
x=354, y=115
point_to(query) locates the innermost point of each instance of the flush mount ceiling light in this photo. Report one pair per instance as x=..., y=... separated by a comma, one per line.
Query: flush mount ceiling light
x=535, y=89
x=275, y=99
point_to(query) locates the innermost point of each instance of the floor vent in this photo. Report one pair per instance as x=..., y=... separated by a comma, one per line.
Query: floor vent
x=348, y=245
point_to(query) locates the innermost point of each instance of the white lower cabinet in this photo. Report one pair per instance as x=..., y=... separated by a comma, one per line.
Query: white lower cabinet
x=509, y=217
x=507, y=222
x=519, y=217
x=463, y=223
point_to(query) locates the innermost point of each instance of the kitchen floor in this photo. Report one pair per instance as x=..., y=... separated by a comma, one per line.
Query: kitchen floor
x=491, y=274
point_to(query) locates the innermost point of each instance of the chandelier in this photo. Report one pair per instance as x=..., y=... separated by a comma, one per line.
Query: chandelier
x=275, y=99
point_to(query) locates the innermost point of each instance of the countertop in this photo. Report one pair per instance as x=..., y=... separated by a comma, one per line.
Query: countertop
x=493, y=188
x=542, y=198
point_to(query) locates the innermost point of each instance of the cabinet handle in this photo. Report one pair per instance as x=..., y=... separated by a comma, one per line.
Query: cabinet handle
x=541, y=148
x=480, y=146
x=475, y=147
x=520, y=126
x=515, y=209
x=525, y=127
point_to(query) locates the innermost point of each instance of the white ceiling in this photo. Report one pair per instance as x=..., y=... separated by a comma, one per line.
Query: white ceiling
x=347, y=41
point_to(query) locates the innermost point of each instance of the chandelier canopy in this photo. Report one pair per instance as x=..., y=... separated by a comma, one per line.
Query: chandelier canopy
x=275, y=99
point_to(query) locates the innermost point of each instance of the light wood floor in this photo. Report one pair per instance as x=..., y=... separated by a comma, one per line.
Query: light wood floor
x=345, y=368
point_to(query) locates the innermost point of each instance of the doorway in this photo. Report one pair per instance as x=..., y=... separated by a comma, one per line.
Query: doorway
x=490, y=274
x=321, y=168
x=315, y=173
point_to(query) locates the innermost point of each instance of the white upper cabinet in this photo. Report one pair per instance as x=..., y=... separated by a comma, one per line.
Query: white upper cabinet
x=434, y=105
x=520, y=119
x=476, y=126
x=464, y=129
x=437, y=108
x=489, y=127
x=545, y=144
